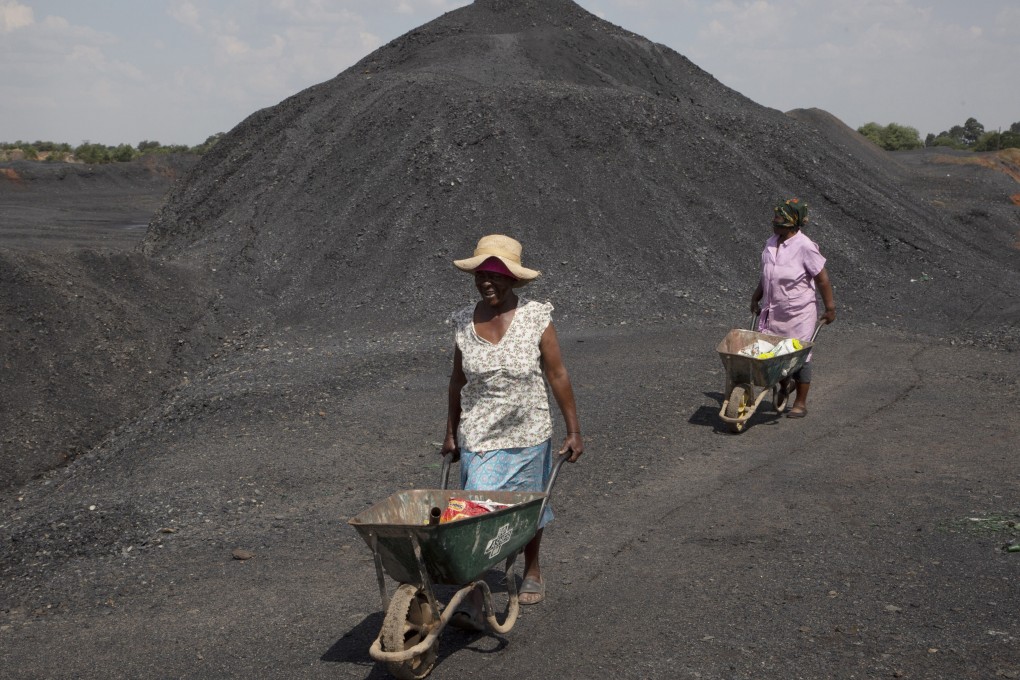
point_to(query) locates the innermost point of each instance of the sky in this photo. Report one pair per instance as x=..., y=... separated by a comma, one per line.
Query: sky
x=178, y=71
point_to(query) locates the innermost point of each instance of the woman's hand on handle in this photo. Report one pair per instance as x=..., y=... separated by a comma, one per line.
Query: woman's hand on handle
x=450, y=446
x=573, y=444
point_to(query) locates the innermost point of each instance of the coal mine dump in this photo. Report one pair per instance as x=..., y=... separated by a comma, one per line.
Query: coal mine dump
x=208, y=365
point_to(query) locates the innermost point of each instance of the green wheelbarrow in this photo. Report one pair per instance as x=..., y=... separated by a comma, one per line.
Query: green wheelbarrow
x=414, y=549
x=749, y=379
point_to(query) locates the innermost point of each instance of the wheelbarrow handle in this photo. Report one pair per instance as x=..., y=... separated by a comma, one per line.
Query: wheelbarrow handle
x=444, y=474
x=560, y=460
x=817, y=328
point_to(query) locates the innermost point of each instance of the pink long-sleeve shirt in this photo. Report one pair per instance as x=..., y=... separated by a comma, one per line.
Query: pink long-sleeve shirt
x=788, y=270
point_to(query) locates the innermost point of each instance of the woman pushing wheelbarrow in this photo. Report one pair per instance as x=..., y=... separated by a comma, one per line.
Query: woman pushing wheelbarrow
x=498, y=421
x=775, y=356
x=792, y=269
x=499, y=427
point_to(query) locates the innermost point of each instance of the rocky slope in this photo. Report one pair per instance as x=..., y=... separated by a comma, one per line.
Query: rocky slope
x=638, y=182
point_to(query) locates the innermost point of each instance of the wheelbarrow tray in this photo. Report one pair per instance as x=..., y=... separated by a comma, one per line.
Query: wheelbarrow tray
x=741, y=369
x=456, y=552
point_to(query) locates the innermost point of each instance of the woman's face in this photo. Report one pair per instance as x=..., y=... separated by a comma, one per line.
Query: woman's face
x=783, y=232
x=493, y=287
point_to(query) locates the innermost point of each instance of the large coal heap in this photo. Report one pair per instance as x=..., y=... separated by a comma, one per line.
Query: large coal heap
x=635, y=180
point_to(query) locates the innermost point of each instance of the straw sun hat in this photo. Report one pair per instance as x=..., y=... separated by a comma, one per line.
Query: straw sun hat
x=506, y=250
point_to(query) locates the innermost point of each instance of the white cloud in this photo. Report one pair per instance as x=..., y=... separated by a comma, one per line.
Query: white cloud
x=186, y=13
x=757, y=23
x=196, y=68
x=426, y=8
x=88, y=56
x=231, y=46
x=868, y=60
x=202, y=69
x=58, y=82
x=14, y=15
x=1007, y=22
x=369, y=41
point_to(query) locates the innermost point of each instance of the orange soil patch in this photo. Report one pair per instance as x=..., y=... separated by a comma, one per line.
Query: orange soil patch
x=10, y=174
x=1006, y=161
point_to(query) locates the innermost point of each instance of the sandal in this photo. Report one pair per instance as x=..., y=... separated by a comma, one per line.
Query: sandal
x=532, y=586
x=797, y=413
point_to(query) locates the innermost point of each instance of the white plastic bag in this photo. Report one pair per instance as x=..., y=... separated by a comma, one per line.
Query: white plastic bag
x=757, y=348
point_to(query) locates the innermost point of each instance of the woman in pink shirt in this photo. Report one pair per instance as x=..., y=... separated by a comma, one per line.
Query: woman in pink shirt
x=792, y=270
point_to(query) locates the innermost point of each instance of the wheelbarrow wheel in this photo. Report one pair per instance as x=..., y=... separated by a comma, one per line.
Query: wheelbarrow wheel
x=408, y=621
x=737, y=407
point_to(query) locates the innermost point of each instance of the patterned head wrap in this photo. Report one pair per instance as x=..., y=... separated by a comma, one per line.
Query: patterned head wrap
x=791, y=214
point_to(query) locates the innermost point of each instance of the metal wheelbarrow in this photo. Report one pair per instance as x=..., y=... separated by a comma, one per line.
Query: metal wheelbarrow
x=749, y=379
x=414, y=549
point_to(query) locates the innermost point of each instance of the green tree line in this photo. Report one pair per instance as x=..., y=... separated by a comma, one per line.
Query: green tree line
x=970, y=136
x=87, y=152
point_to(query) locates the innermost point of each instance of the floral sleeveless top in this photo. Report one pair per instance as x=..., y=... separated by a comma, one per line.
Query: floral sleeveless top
x=504, y=403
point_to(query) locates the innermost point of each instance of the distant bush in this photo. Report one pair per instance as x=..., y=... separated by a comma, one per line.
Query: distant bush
x=892, y=137
x=993, y=141
x=123, y=153
x=969, y=136
x=93, y=153
x=972, y=135
x=87, y=152
x=944, y=140
x=53, y=147
x=209, y=143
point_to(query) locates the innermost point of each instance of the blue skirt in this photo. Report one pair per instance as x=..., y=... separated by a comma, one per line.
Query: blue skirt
x=522, y=469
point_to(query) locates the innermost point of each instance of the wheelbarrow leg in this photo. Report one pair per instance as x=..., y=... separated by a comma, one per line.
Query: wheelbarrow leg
x=513, y=606
x=379, y=574
x=423, y=574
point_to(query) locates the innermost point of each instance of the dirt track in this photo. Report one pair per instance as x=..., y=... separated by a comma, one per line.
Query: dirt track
x=272, y=359
x=844, y=545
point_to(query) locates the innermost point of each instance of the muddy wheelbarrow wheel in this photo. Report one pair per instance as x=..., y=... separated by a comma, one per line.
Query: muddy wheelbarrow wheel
x=408, y=621
x=737, y=407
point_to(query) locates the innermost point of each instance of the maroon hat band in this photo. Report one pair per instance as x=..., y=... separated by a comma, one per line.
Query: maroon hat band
x=495, y=266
